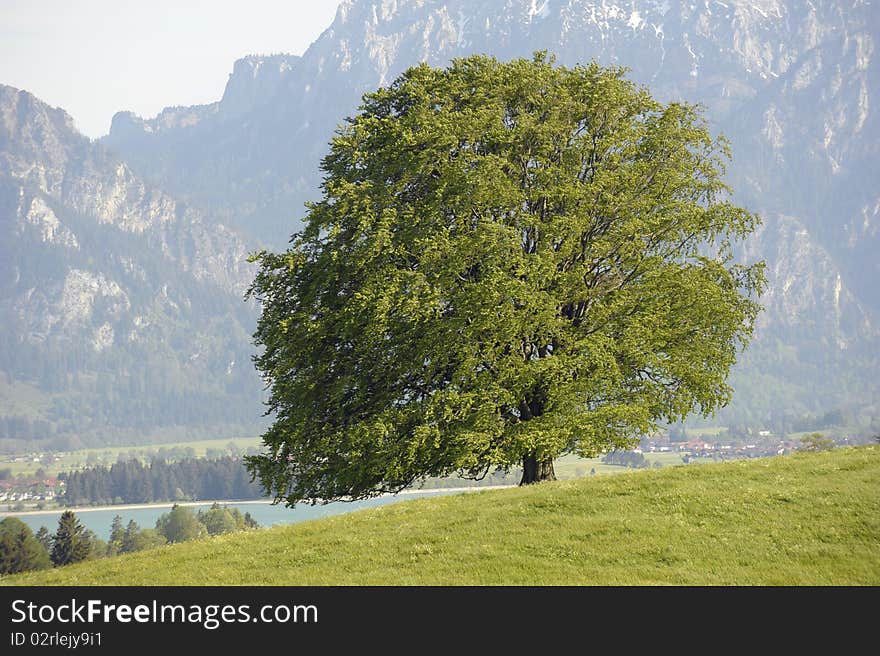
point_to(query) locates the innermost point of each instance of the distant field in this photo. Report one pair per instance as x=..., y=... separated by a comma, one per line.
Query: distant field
x=109, y=455
x=802, y=519
x=574, y=467
x=713, y=431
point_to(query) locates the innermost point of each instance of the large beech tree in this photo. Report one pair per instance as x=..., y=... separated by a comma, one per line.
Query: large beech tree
x=510, y=262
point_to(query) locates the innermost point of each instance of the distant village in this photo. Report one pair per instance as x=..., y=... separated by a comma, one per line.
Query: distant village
x=29, y=490
x=763, y=444
x=705, y=447
x=40, y=487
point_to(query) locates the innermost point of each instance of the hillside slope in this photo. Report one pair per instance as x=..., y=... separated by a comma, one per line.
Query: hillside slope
x=805, y=519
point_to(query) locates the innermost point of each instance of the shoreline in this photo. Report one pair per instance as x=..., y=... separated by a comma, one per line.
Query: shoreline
x=207, y=502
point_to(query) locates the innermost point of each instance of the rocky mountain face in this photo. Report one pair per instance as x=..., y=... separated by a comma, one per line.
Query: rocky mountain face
x=122, y=307
x=794, y=85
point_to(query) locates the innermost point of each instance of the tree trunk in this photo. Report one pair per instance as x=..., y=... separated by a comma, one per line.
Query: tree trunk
x=535, y=471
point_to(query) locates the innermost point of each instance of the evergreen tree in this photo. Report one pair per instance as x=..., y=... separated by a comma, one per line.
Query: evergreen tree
x=69, y=544
x=189, y=478
x=250, y=522
x=129, y=537
x=45, y=538
x=97, y=548
x=117, y=536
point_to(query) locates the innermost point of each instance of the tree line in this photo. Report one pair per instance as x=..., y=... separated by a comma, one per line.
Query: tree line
x=625, y=458
x=21, y=550
x=189, y=479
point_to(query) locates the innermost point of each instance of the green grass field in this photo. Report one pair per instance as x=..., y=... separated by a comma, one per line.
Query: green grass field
x=803, y=519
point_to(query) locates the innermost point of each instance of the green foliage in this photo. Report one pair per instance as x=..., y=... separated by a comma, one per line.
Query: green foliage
x=130, y=481
x=117, y=535
x=45, y=538
x=626, y=459
x=20, y=551
x=147, y=538
x=510, y=262
x=180, y=524
x=71, y=543
x=250, y=522
x=97, y=548
x=804, y=519
x=817, y=442
x=136, y=539
x=219, y=520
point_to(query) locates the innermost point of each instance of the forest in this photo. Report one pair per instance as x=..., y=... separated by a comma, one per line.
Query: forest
x=189, y=479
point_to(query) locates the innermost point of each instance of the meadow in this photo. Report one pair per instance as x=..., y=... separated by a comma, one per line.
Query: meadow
x=809, y=518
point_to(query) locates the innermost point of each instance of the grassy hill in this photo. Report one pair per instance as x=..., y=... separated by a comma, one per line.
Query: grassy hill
x=804, y=519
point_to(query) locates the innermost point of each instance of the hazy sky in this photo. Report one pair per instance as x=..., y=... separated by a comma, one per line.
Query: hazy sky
x=96, y=57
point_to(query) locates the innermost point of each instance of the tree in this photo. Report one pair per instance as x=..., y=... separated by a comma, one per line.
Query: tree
x=70, y=544
x=96, y=548
x=219, y=520
x=180, y=524
x=817, y=442
x=117, y=536
x=129, y=536
x=626, y=459
x=147, y=538
x=250, y=522
x=510, y=262
x=20, y=551
x=45, y=538
x=137, y=539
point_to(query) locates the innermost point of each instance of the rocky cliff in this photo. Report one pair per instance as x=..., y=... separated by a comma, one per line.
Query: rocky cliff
x=122, y=307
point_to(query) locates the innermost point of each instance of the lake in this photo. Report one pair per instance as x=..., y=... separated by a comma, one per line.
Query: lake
x=100, y=519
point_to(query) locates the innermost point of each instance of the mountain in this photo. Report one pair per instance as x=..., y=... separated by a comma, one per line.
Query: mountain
x=793, y=85
x=122, y=262
x=122, y=308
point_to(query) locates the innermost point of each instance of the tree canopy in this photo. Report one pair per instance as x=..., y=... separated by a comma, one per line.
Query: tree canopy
x=20, y=551
x=180, y=524
x=510, y=261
